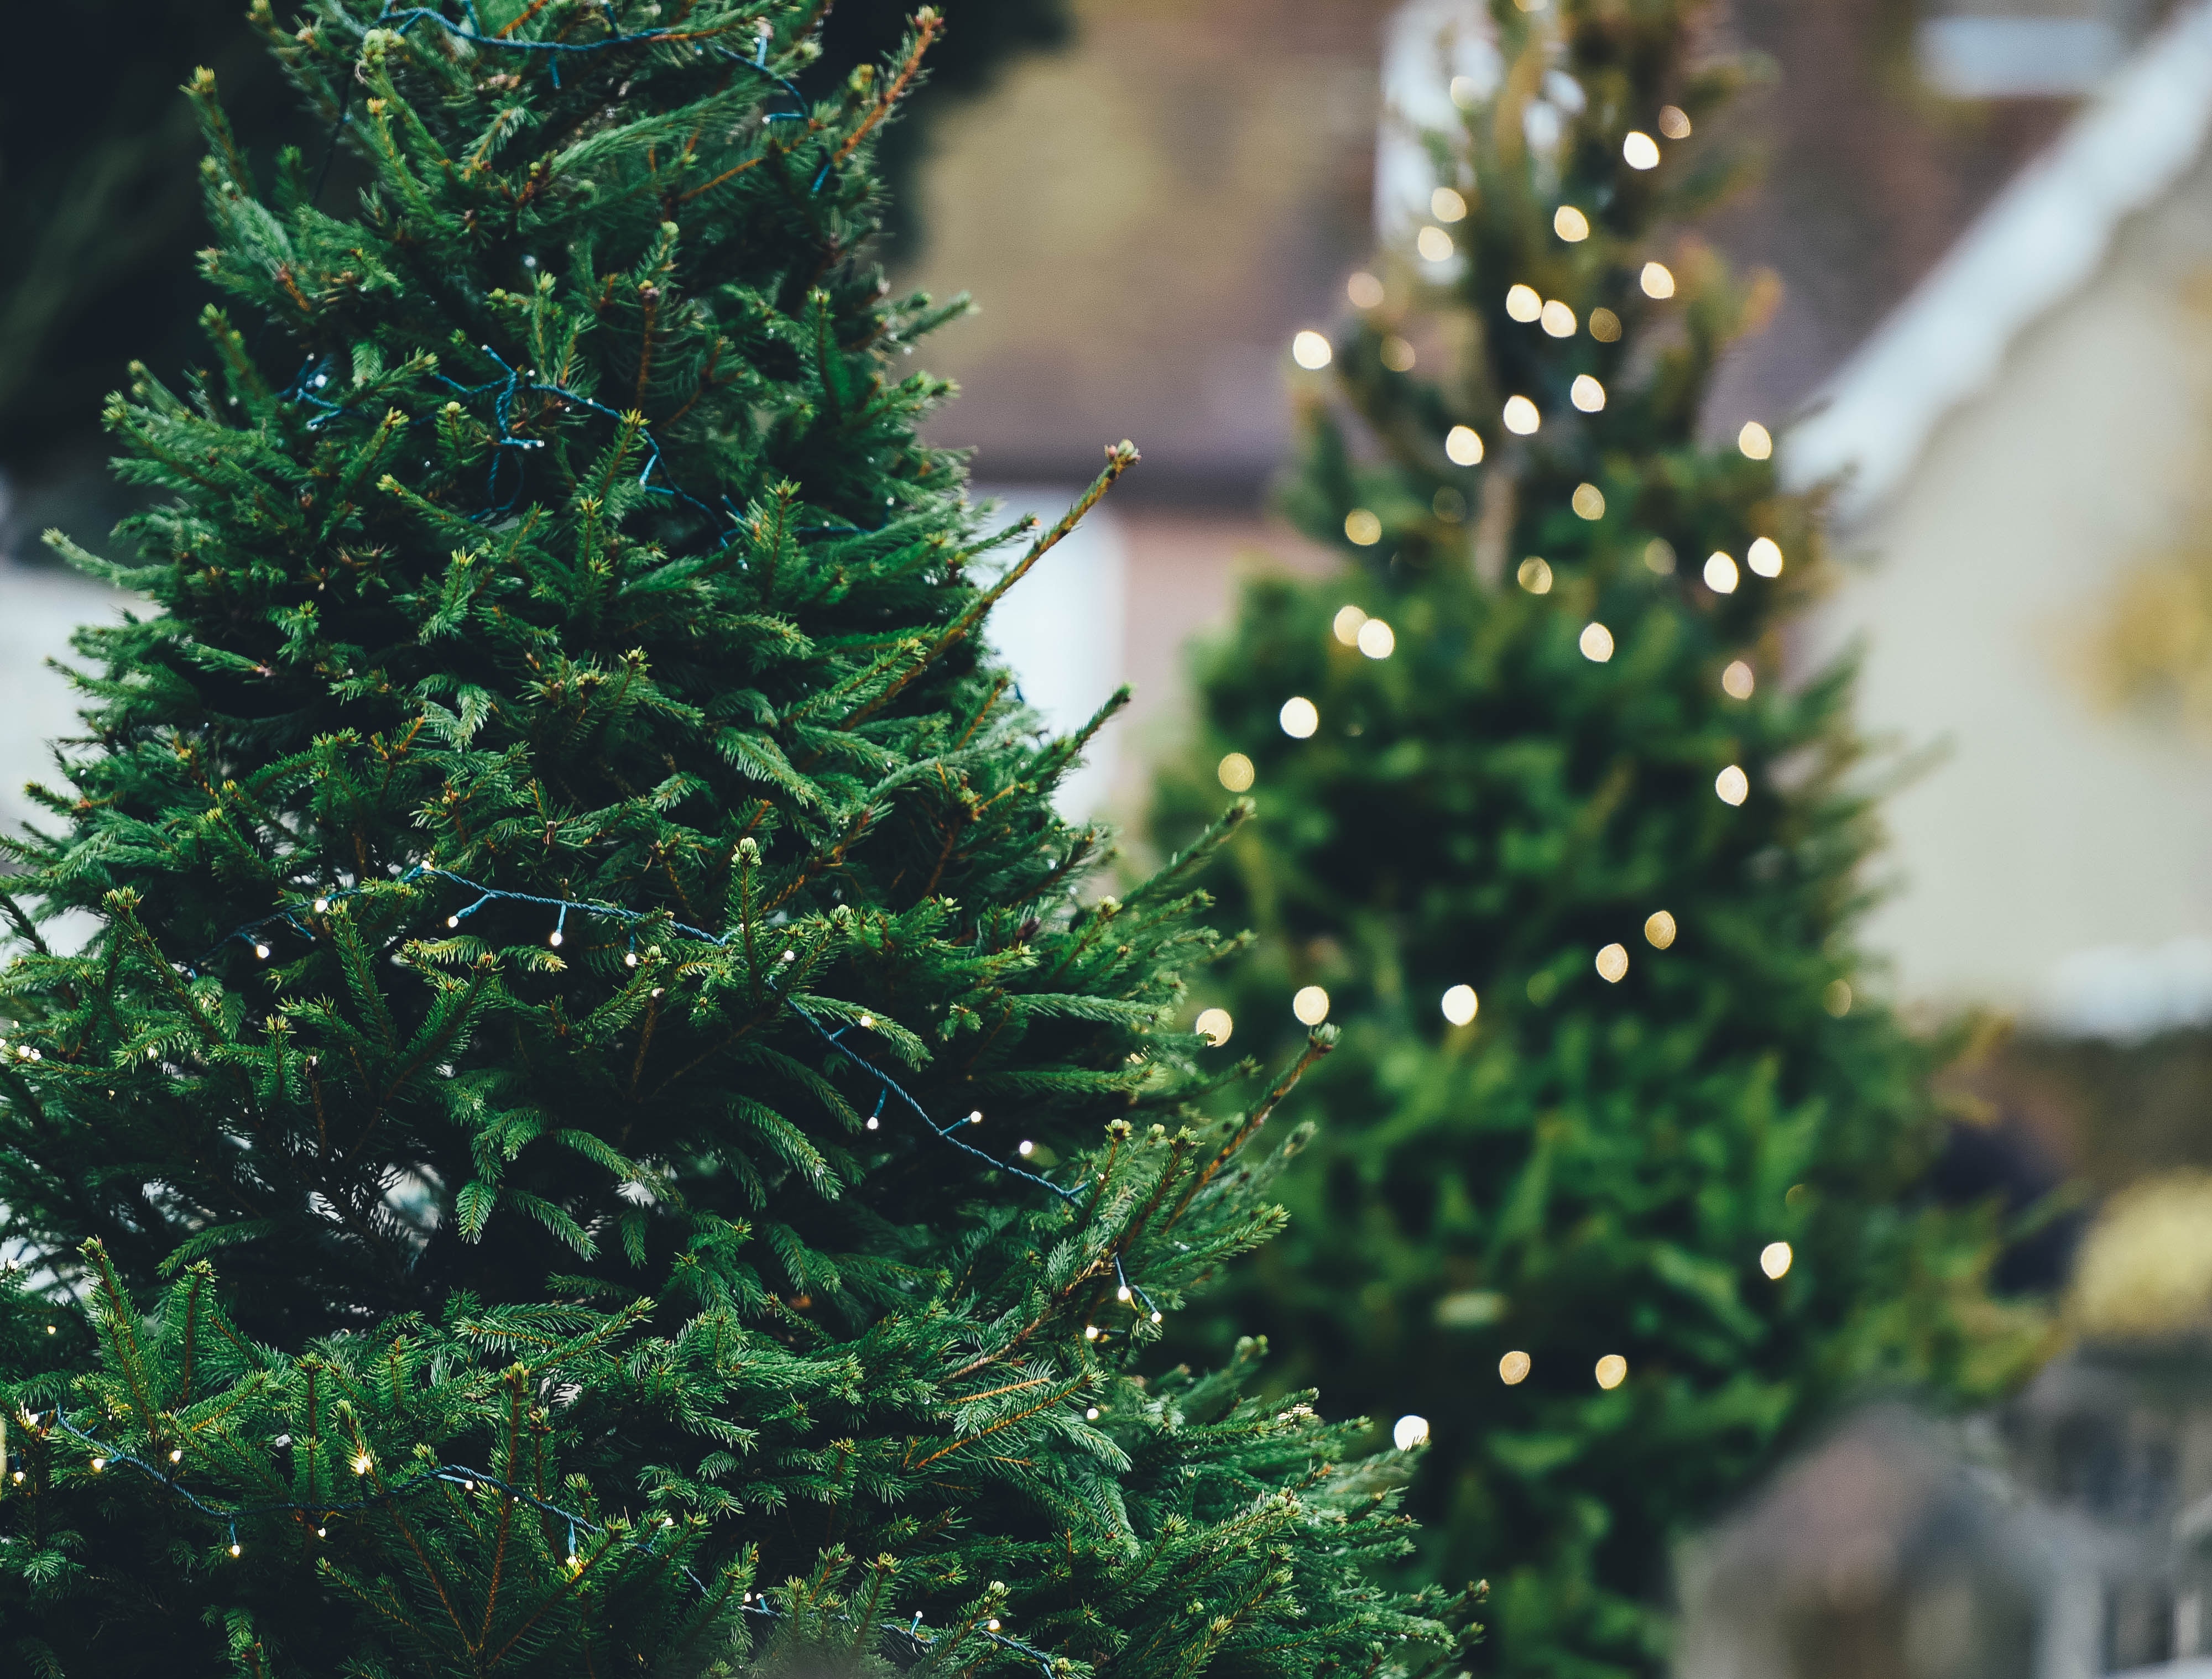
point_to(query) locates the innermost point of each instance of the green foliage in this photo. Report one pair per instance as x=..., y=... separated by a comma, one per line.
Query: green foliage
x=1594, y=1164
x=550, y=880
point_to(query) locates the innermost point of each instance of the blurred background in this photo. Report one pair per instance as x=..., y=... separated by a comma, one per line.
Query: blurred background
x=1991, y=227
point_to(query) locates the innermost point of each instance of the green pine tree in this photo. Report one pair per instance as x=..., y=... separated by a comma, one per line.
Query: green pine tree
x=586, y=1121
x=1576, y=864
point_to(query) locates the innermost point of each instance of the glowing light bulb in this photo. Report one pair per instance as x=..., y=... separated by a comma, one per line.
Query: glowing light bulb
x=1755, y=440
x=1434, y=244
x=1764, y=557
x=453, y=921
x=98, y=1465
x=1659, y=930
x=1377, y=639
x=992, y=1624
x=233, y=1548
x=1557, y=320
x=1363, y=528
x=1535, y=576
x=1463, y=447
x=1721, y=575
x=1090, y=1332
x=1657, y=279
x=1311, y=350
x=1025, y=1149
x=1513, y=1368
x=1459, y=1004
x=1299, y=718
x=1235, y=772
x=321, y=903
x=1215, y=1025
x=1090, y=1414
x=1409, y=1432
x=629, y=959
x=1733, y=785
x=1613, y=963
x=361, y=1463
x=1521, y=416
x=1737, y=681
x=1596, y=643
x=177, y=1455
x=1571, y=224
x=555, y=938
x=1674, y=122
x=1639, y=149
x=1604, y=326
x=1397, y=355
x=1448, y=205
x=1310, y=1005
x=1612, y=1371
x=1659, y=556
x=1774, y=1259
x=1157, y=1318
x=1587, y=502
x=1345, y=627
x=1587, y=394
x=874, y=1123
x=262, y=951
x=867, y=1023
x=1121, y=1294
x=1364, y=291
x=976, y=1117
x=1522, y=303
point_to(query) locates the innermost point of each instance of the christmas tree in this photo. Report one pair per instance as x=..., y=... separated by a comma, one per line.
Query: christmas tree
x=1614, y=1190
x=568, y=1105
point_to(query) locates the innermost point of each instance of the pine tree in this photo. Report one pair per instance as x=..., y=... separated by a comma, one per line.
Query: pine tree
x=1615, y=1183
x=587, y=1120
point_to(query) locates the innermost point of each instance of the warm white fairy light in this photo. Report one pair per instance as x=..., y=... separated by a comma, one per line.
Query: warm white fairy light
x=1836, y=998
x=1345, y=627
x=1513, y=1368
x=1774, y=1259
x=1755, y=440
x=1299, y=717
x=1434, y=244
x=1764, y=556
x=1025, y=1148
x=1463, y=447
x=262, y=951
x=1408, y=1432
x=1362, y=527
x=1215, y=1025
x=1311, y=350
x=1310, y=1005
x=1732, y=784
x=1596, y=643
x=1235, y=772
x=1612, y=1371
x=1659, y=557
x=1521, y=416
x=1604, y=326
x=1659, y=930
x=1459, y=1004
x=1587, y=394
x=1559, y=320
x=1571, y=224
x=1613, y=963
x=1639, y=149
x=1377, y=639
x=1535, y=575
x=1364, y=291
x=1674, y=122
x=1657, y=279
x=1737, y=681
x=1398, y=354
x=1587, y=502
x=1523, y=303
x=361, y=1463
x=1721, y=575
x=1447, y=204
x=975, y=1116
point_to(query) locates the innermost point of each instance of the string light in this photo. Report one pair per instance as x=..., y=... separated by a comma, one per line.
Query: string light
x=1836, y=998
x=1447, y=204
x=1659, y=557
x=1459, y=1004
x=1363, y=528
x=1596, y=643
x=1587, y=501
x=1462, y=446
x=1659, y=930
x=1364, y=291
x=1310, y=1005
x=1377, y=639
x=1674, y=122
x=1557, y=320
x=1522, y=303
x=1397, y=355
x=1612, y=1371
x=1587, y=394
x=1513, y=1368
x=1721, y=575
x=1658, y=281
x=1764, y=556
x=1604, y=326
x=1346, y=624
x=1521, y=416
x=1774, y=1259
x=1535, y=576
x=1299, y=718
x=1613, y=963
x=1311, y=350
x=1640, y=150
x=1571, y=224
x=1755, y=440
x=1733, y=785
x=1434, y=244
x=1409, y=1432
x=1025, y=1149
x=1235, y=772
x=1737, y=681
x=1215, y=1025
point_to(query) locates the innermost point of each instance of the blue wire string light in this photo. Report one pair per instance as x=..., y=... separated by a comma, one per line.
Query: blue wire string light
x=462, y=1476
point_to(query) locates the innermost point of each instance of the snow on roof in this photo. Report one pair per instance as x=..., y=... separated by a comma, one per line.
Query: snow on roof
x=2042, y=238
